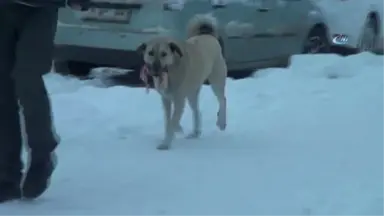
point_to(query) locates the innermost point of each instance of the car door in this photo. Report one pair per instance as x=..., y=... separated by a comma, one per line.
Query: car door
x=267, y=32
x=239, y=22
x=290, y=25
x=265, y=21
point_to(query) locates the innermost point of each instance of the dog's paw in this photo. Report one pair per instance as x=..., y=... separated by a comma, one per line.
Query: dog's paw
x=221, y=121
x=163, y=146
x=222, y=125
x=179, y=129
x=194, y=135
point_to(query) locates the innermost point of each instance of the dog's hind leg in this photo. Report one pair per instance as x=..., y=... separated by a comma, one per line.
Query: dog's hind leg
x=217, y=80
x=193, y=101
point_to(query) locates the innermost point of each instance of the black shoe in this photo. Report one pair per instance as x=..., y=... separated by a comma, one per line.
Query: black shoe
x=9, y=192
x=38, y=176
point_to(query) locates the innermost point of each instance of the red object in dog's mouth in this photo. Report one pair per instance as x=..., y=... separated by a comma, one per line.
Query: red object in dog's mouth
x=160, y=82
x=144, y=74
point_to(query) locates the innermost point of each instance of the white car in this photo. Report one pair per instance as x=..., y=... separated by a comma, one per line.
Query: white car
x=254, y=34
x=354, y=24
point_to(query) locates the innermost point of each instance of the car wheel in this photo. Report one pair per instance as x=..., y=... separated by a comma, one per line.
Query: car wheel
x=316, y=41
x=368, y=37
x=79, y=69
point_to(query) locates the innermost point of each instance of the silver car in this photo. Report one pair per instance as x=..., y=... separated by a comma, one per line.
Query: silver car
x=253, y=33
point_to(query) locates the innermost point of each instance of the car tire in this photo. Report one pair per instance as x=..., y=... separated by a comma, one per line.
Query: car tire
x=368, y=37
x=78, y=69
x=316, y=41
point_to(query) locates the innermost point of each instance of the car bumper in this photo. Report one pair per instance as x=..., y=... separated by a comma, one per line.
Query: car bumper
x=99, y=56
x=343, y=32
x=342, y=36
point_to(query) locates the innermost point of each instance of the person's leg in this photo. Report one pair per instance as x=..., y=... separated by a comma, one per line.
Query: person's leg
x=10, y=133
x=34, y=59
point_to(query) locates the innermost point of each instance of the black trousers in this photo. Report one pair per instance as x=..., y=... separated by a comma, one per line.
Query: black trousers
x=26, y=49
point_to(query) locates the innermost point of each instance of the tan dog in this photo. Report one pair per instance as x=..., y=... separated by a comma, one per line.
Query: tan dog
x=179, y=70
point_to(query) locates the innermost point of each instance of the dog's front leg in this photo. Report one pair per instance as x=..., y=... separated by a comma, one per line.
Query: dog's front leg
x=193, y=100
x=174, y=124
x=167, y=107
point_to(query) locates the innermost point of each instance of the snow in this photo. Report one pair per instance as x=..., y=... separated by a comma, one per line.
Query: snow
x=304, y=140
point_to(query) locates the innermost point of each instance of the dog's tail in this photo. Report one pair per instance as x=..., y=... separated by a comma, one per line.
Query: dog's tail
x=202, y=24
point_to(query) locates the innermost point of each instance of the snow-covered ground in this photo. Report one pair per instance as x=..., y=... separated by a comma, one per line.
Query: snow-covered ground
x=304, y=140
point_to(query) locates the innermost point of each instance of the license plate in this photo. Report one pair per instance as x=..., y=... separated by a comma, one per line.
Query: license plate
x=107, y=15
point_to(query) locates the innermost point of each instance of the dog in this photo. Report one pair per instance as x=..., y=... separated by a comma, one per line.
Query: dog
x=179, y=70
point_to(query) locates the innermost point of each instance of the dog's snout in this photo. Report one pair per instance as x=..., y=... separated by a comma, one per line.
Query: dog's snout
x=156, y=67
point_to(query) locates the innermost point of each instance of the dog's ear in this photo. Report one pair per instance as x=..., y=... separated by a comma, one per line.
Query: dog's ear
x=175, y=48
x=141, y=48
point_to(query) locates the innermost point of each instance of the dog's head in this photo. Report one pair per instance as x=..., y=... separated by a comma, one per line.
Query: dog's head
x=159, y=55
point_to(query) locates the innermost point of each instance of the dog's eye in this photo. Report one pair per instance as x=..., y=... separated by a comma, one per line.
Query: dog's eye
x=163, y=54
x=151, y=53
